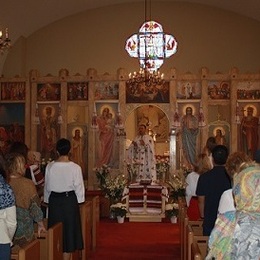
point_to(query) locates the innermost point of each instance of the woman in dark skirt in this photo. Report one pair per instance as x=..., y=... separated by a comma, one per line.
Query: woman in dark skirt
x=63, y=191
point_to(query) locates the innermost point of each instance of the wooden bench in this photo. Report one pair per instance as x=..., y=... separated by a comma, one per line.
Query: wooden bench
x=86, y=223
x=95, y=221
x=51, y=242
x=29, y=252
x=195, y=252
x=194, y=236
x=183, y=221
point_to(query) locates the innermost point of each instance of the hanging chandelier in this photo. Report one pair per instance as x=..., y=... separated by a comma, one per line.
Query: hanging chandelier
x=5, y=42
x=151, y=46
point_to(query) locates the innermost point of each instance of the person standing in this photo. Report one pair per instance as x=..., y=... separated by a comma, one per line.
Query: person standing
x=190, y=131
x=141, y=153
x=63, y=191
x=203, y=164
x=210, y=187
x=8, y=221
x=249, y=133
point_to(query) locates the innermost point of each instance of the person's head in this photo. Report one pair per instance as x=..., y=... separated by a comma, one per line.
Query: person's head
x=48, y=111
x=189, y=111
x=63, y=146
x=250, y=111
x=220, y=154
x=202, y=164
x=15, y=164
x=141, y=129
x=257, y=156
x=77, y=133
x=34, y=158
x=219, y=132
x=105, y=111
x=211, y=143
x=236, y=162
x=19, y=147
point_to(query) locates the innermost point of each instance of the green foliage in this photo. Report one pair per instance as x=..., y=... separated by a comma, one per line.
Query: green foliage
x=112, y=187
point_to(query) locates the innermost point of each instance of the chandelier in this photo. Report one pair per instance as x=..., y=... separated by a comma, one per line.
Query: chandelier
x=5, y=42
x=151, y=46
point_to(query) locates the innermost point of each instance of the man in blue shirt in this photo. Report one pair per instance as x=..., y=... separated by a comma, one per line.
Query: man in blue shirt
x=210, y=187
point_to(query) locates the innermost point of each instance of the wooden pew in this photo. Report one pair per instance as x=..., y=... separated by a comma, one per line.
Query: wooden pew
x=86, y=223
x=51, y=243
x=183, y=220
x=29, y=252
x=95, y=221
x=195, y=252
x=196, y=227
x=191, y=237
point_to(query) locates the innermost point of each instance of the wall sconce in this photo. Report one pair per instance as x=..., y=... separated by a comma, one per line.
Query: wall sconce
x=36, y=120
x=237, y=119
x=60, y=119
x=201, y=117
x=176, y=118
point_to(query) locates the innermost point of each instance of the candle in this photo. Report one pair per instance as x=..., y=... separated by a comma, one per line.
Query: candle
x=6, y=33
x=1, y=33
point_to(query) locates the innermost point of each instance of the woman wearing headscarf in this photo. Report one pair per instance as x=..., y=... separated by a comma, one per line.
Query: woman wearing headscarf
x=7, y=217
x=236, y=233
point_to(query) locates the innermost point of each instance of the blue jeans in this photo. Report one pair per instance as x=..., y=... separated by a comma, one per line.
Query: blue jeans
x=5, y=251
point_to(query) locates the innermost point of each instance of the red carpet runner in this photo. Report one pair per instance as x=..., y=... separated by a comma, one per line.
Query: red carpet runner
x=135, y=240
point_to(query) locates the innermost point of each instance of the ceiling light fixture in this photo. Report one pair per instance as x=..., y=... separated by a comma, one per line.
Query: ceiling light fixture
x=151, y=46
x=5, y=42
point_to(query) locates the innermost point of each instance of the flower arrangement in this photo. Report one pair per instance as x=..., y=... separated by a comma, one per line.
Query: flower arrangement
x=44, y=163
x=132, y=169
x=171, y=209
x=118, y=209
x=177, y=187
x=102, y=174
x=111, y=186
x=162, y=167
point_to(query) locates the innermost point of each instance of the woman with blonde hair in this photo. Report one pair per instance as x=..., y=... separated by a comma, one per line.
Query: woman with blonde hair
x=202, y=165
x=27, y=200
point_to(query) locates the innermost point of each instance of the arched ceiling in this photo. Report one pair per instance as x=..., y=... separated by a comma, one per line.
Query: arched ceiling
x=27, y=16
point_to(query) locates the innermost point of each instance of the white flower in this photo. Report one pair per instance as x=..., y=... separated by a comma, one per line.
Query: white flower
x=171, y=206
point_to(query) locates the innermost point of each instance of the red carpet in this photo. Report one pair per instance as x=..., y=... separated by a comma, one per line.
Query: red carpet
x=135, y=240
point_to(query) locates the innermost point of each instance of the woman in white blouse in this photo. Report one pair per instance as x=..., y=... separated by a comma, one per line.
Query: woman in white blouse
x=63, y=191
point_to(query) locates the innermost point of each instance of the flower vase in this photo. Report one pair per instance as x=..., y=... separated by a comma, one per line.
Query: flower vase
x=173, y=219
x=120, y=219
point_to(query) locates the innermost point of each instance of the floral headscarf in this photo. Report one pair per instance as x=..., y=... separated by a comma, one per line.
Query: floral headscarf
x=246, y=191
x=6, y=194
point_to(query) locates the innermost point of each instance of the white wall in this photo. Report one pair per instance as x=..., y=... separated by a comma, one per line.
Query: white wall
x=208, y=37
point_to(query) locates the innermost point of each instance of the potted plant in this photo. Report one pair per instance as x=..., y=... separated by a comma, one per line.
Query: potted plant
x=119, y=210
x=172, y=211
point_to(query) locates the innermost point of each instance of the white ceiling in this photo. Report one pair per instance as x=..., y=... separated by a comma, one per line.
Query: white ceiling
x=23, y=17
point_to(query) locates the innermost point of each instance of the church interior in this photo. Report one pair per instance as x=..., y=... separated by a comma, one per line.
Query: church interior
x=69, y=67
